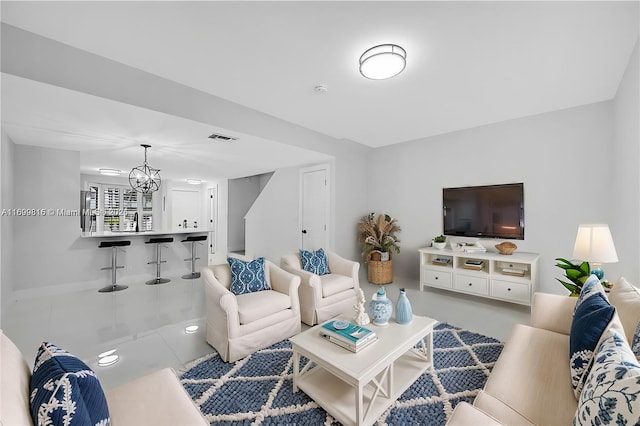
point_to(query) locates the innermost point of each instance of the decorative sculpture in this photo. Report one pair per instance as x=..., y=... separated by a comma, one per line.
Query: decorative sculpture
x=361, y=318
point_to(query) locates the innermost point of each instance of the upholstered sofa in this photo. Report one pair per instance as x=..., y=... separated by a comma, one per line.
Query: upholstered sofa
x=324, y=296
x=531, y=382
x=155, y=399
x=238, y=325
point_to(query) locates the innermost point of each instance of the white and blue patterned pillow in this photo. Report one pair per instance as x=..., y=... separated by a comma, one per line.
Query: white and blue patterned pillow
x=247, y=277
x=590, y=287
x=314, y=261
x=590, y=320
x=611, y=393
x=65, y=391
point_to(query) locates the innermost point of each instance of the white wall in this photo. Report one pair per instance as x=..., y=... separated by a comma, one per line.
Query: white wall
x=273, y=227
x=562, y=157
x=625, y=203
x=7, y=149
x=45, y=245
x=242, y=194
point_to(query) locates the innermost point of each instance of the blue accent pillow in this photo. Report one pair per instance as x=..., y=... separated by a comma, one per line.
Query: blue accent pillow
x=65, y=391
x=247, y=277
x=314, y=261
x=589, y=322
x=611, y=392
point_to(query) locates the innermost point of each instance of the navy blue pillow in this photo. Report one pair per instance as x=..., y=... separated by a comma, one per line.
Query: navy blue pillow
x=247, y=277
x=314, y=261
x=65, y=391
x=591, y=319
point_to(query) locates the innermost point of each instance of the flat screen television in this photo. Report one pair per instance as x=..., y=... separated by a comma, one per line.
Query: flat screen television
x=492, y=211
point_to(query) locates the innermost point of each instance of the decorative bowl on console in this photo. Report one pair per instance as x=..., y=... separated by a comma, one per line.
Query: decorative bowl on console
x=506, y=247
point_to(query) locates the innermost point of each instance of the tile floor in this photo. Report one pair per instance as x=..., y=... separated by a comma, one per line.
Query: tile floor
x=146, y=324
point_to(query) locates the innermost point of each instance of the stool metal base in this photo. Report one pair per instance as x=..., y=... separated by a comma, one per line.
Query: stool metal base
x=115, y=287
x=158, y=281
x=191, y=276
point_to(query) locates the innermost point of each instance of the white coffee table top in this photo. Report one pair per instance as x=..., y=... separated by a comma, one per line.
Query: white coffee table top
x=393, y=340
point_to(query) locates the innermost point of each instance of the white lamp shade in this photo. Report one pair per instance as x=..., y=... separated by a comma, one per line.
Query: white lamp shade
x=595, y=244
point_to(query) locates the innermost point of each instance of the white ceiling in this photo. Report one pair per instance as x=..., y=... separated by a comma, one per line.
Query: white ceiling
x=468, y=63
x=108, y=135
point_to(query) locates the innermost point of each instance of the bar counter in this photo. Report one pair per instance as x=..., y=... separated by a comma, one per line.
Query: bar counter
x=127, y=234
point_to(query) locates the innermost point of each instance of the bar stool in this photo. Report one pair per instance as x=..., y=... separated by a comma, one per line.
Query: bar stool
x=158, y=242
x=114, y=264
x=193, y=240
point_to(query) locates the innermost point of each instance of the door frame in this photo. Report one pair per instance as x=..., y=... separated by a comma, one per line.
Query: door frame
x=327, y=202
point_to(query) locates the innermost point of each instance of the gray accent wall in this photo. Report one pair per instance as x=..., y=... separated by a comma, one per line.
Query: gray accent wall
x=564, y=159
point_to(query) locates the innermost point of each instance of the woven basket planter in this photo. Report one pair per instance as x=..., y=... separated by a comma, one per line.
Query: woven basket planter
x=380, y=272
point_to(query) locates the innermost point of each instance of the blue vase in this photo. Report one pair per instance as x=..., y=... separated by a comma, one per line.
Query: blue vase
x=403, y=309
x=380, y=308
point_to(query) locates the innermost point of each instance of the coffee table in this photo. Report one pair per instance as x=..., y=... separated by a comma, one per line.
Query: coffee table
x=356, y=388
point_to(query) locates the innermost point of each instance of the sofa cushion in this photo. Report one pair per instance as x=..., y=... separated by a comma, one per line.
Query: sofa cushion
x=314, y=261
x=611, y=393
x=15, y=375
x=532, y=376
x=156, y=399
x=466, y=414
x=334, y=284
x=259, y=305
x=499, y=410
x=65, y=391
x=247, y=276
x=591, y=318
x=626, y=298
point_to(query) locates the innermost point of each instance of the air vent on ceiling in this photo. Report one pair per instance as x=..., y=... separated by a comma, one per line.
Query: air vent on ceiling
x=219, y=137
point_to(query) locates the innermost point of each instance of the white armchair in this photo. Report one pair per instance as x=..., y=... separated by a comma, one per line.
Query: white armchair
x=240, y=325
x=324, y=296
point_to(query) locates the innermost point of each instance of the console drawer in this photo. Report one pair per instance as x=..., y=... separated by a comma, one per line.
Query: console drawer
x=472, y=284
x=510, y=291
x=436, y=278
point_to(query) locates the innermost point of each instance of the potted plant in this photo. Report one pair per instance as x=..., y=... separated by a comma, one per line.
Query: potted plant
x=439, y=242
x=576, y=273
x=378, y=238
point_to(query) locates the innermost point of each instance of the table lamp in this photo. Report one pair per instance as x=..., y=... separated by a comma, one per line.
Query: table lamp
x=594, y=244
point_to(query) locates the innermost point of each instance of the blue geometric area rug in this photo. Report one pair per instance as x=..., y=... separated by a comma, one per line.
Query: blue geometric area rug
x=257, y=390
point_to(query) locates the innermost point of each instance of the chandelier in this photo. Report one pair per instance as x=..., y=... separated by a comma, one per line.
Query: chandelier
x=143, y=178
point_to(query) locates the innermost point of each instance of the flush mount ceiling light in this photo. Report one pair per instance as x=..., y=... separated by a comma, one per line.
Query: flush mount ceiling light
x=194, y=181
x=143, y=178
x=110, y=172
x=383, y=61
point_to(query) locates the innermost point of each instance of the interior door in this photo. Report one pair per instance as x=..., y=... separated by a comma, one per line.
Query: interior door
x=314, y=215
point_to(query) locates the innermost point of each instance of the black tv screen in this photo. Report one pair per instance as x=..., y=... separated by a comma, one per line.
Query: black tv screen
x=494, y=211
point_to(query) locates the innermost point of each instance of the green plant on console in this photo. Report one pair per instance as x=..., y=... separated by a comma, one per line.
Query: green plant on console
x=576, y=273
x=440, y=239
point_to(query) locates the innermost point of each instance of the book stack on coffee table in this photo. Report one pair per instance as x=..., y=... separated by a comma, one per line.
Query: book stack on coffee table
x=347, y=335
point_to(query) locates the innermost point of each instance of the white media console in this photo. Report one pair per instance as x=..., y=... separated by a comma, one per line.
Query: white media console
x=512, y=278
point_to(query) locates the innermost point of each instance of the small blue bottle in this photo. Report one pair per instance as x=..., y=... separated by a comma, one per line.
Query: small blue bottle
x=403, y=309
